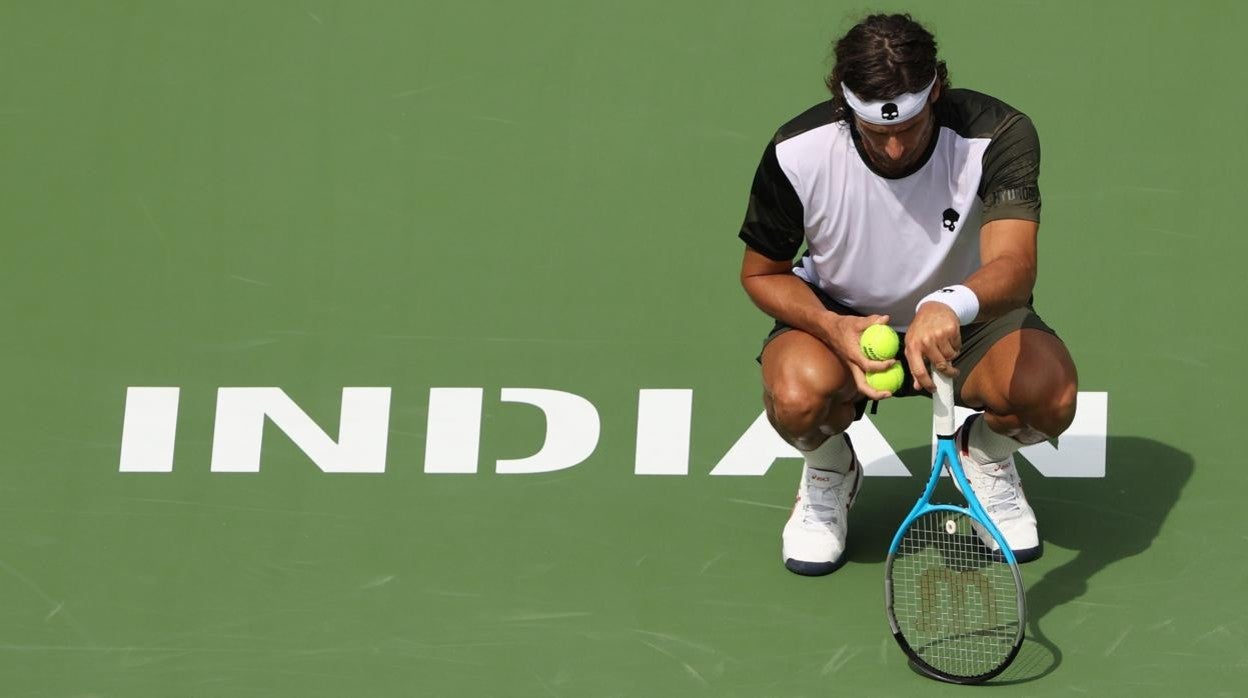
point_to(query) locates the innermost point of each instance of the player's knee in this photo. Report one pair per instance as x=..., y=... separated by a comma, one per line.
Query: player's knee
x=795, y=409
x=1063, y=403
x=1047, y=405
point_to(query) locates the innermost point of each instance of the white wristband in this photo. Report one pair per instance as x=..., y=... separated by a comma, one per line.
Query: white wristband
x=962, y=300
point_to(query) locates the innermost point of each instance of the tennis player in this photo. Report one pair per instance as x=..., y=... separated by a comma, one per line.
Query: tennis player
x=919, y=207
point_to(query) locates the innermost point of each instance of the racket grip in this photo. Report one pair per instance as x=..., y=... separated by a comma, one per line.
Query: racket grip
x=942, y=404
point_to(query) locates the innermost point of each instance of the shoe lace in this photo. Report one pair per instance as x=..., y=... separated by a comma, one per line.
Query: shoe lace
x=823, y=501
x=1000, y=494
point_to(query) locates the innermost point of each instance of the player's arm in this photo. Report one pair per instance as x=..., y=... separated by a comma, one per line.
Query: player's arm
x=1007, y=239
x=1007, y=270
x=777, y=291
x=773, y=232
x=1003, y=282
x=1007, y=252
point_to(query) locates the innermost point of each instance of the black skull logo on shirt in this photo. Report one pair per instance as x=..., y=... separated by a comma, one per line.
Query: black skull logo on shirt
x=950, y=218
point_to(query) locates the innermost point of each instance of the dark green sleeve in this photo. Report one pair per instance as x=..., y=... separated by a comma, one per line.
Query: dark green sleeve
x=773, y=219
x=1010, y=185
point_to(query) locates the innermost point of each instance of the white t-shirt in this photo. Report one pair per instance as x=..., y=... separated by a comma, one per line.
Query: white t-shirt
x=877, y=244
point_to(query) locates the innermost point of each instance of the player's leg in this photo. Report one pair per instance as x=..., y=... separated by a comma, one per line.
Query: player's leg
x=808, y=392
x=1026, y=384
x=809, y=396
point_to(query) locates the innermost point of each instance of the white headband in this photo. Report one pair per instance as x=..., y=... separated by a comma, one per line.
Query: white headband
x=889, y=111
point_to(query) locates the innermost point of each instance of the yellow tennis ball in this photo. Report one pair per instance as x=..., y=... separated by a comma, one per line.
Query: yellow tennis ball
x=879, y=343
x=888, y=380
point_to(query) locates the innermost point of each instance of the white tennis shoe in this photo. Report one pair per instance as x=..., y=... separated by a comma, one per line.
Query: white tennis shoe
x=814, y=537
x=999, y=490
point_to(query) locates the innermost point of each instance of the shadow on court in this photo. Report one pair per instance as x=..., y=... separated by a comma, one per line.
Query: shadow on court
x=1103, y=520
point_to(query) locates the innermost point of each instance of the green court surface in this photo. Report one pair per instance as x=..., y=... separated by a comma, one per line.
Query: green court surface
x=311, y=196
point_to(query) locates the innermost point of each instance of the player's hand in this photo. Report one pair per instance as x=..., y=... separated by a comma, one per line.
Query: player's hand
x=842, y=335
x=935, y=337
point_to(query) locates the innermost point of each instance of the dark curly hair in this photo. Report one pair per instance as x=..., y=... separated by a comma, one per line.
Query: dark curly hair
x=881, y=57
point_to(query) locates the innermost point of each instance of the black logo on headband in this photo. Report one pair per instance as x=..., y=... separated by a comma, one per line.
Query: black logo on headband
x=888, y=112
x=950, y=217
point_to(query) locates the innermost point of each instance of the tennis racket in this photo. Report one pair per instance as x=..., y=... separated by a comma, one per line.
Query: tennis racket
x=955, y=605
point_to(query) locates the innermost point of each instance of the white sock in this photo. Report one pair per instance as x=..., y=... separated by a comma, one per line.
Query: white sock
x=987, y=446
x=833, y=454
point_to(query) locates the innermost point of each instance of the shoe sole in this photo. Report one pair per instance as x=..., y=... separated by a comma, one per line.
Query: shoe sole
x=815, y=569
x=1029, y=555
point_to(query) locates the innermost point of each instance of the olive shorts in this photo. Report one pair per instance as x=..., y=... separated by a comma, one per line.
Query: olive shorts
x=977, y=339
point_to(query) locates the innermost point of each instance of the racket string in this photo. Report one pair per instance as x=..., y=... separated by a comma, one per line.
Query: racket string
x=954, y=600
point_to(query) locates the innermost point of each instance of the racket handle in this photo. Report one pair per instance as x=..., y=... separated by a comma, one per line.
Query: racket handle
x=942, y=404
